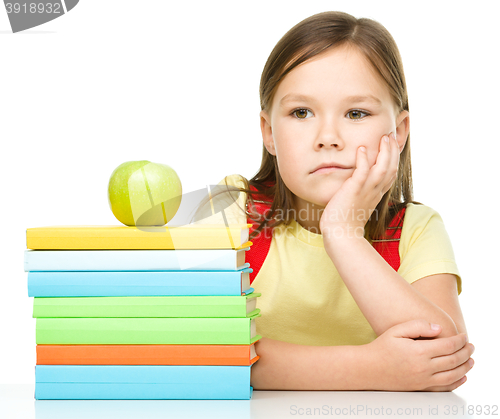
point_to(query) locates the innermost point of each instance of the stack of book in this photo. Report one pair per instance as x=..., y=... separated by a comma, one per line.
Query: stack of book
x=142, y=313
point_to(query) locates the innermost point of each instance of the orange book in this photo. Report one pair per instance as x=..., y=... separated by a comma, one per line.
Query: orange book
x=146, y=354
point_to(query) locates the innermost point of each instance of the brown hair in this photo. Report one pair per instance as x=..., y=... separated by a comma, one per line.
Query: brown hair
x=308, y=38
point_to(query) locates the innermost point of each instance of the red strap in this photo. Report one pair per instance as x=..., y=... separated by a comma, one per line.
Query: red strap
x=389, y=248
x=262, y=243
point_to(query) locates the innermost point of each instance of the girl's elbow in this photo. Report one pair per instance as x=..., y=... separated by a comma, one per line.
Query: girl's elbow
x=448, y=327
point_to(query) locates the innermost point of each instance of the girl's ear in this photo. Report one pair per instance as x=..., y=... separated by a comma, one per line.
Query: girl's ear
x=267, y=132
x=402, y=128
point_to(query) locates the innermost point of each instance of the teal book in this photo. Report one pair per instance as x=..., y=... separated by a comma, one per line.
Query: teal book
x=138, y=283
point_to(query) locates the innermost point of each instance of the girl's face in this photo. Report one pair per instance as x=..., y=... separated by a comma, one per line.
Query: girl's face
x=322, y=112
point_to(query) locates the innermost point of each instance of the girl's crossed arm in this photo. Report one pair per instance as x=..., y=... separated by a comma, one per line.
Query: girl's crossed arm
x=392, y=362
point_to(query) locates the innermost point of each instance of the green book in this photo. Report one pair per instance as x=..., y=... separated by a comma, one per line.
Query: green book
x=170, y=306
x=155, y=331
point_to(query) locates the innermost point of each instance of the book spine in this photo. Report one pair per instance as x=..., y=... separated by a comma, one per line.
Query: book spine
x=142, y=382
x=132, y=260
x=147, y=238
x=211, y=331
x=144, y=355
x=145, y=283
x=174, y=306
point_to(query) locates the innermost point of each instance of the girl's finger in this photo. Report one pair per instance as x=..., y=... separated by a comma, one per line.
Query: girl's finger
x=446, y=378
x=362, y=166
x=449, y=362
x=395, y=153
x=393, y=164
x=382, y=165
x=451, y=387
x=444, y=346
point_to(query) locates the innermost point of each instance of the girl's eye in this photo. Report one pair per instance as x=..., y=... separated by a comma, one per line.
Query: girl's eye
x=356, y=114
x=300, y=113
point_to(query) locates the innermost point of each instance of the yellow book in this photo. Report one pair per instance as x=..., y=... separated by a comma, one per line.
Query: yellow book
x=190, y=236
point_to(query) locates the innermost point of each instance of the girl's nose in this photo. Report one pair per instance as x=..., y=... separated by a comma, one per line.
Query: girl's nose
x=329, y=136
x=329, y=143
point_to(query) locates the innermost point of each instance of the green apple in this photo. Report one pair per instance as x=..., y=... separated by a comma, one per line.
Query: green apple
x=142, y=193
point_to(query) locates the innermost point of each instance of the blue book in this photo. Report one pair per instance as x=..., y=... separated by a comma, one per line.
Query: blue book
x=139, y=283
x=88, y=382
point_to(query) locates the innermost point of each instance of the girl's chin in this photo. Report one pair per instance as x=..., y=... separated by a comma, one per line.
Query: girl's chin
x=320, y=196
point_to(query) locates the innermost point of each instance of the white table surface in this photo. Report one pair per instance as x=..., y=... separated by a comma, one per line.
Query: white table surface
x=17, y=401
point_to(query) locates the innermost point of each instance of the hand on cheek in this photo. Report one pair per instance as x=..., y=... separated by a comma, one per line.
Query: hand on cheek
x=350, y=208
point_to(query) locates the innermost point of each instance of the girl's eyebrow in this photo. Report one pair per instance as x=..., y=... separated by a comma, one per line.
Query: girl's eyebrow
x=364, y=98
x=291, y=97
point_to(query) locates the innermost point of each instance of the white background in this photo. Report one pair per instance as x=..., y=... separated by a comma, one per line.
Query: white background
x=178, y=83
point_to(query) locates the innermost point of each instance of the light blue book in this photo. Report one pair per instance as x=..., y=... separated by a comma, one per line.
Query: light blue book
x=136, y=260
x=86, y=382
x=141, y=283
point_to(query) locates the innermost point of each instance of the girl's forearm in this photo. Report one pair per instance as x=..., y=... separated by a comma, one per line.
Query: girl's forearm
x=383, y=296
x=288, y=366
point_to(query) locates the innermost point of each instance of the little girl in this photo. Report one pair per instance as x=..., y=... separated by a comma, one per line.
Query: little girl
x=354, y=274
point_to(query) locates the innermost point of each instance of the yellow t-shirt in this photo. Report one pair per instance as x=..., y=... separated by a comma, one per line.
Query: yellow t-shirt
x=305, y=301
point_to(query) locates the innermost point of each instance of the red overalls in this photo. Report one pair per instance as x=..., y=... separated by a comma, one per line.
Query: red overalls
x=388, y=249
